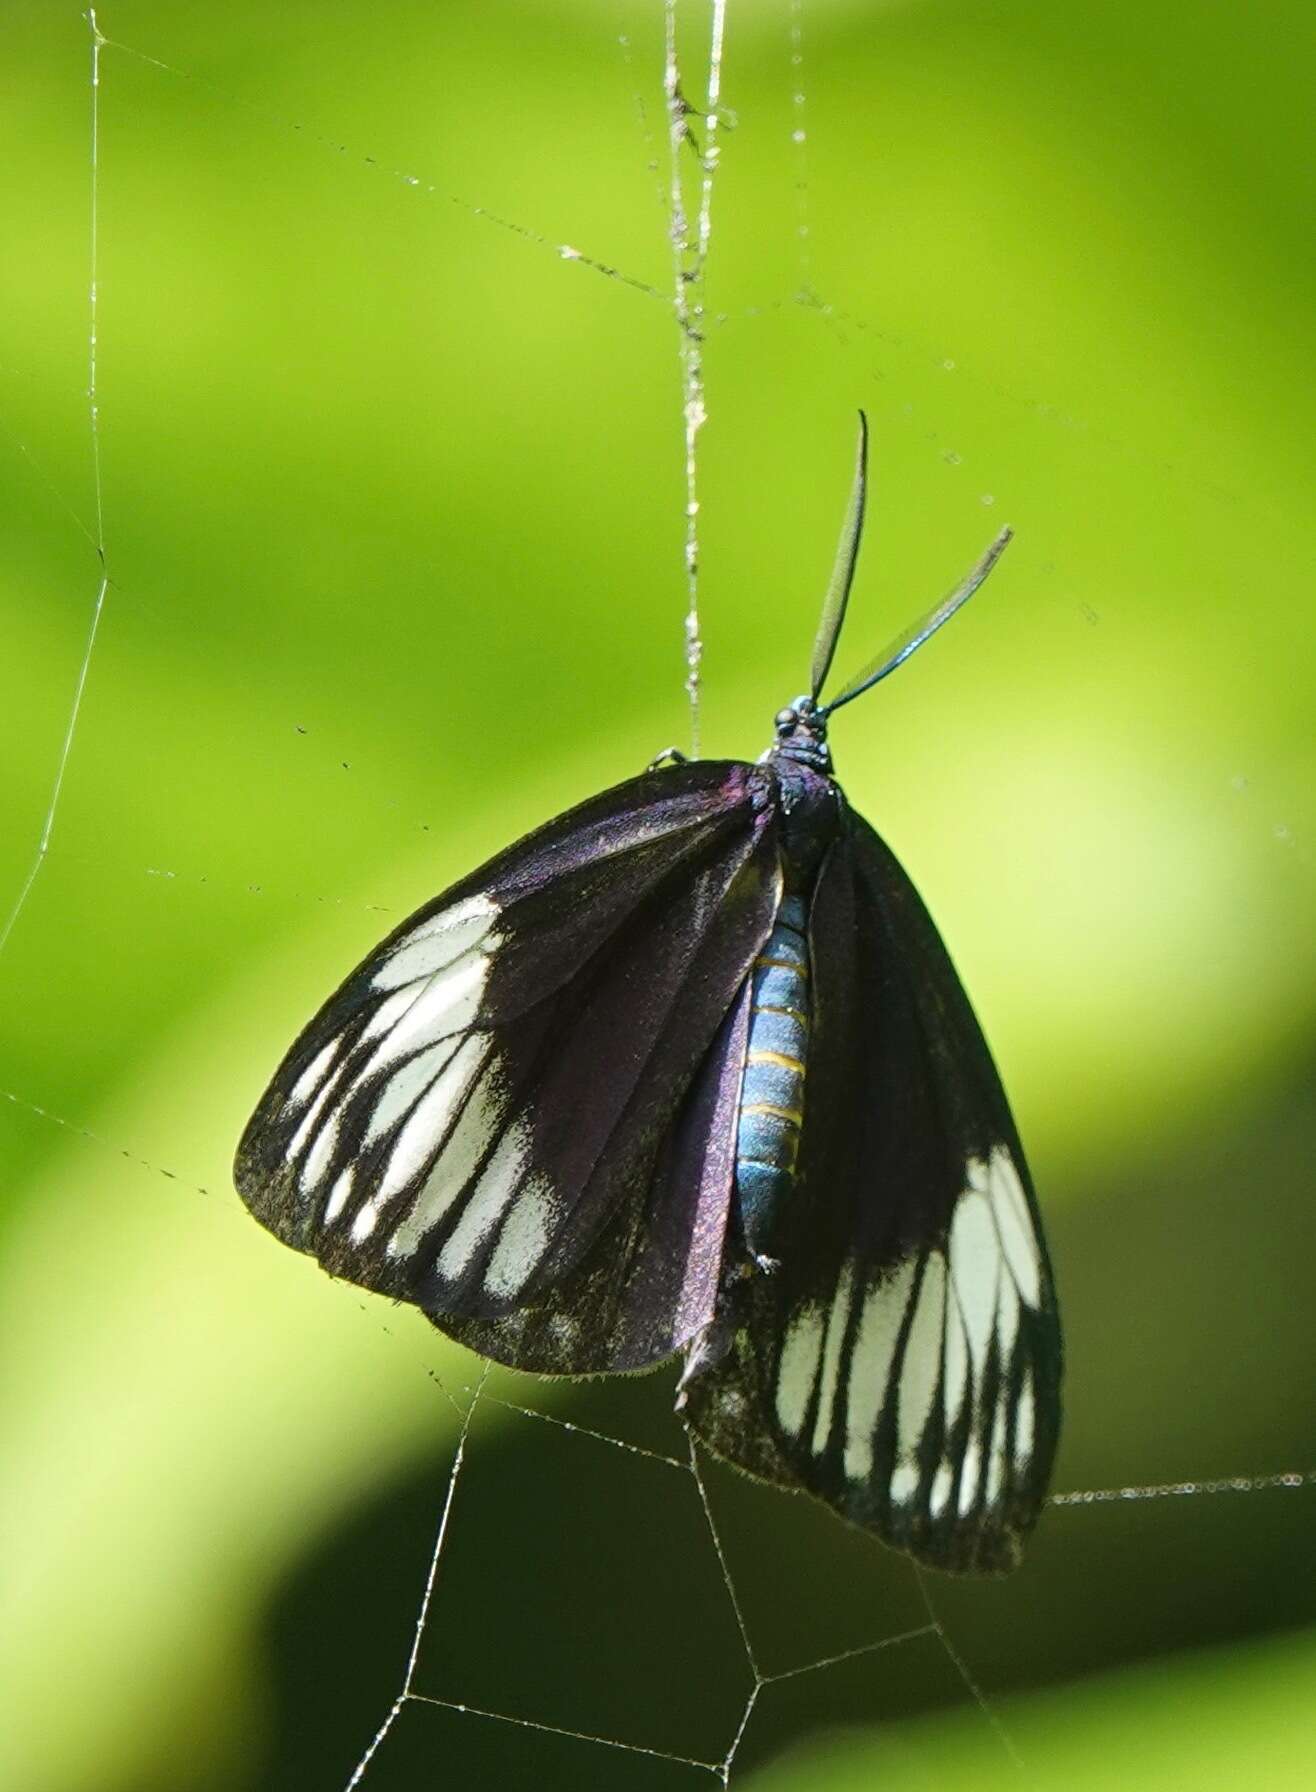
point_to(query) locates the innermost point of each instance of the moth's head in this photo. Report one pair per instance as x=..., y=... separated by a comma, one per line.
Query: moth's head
x=802, y=735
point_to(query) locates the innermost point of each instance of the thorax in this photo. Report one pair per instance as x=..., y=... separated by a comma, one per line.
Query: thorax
x=811, y=808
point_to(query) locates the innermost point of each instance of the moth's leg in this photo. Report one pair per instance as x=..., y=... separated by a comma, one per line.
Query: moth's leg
x=668, y=756
x=704, y=1351
x=757, y=1263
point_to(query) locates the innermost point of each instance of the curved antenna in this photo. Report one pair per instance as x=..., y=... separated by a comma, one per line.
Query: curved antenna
x=899, y=650
x=838, y=589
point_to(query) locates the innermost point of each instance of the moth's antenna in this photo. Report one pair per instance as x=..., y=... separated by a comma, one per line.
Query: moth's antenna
x=899, y=650
x=847, y=553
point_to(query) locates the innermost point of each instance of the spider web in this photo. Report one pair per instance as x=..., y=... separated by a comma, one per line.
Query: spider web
x=685, y=89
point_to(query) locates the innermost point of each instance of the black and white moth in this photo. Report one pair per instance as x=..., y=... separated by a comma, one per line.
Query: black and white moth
x=688, y=1070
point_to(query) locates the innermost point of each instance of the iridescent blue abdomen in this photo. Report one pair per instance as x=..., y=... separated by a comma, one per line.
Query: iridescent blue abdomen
x=772, y=1090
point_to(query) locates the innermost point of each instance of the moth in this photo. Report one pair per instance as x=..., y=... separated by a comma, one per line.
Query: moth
x=688, y=1071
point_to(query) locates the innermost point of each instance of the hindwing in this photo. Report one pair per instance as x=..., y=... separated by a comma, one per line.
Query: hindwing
x=902, y=1362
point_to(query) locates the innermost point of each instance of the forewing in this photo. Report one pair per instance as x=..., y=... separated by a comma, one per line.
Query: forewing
x=649, y=1283
x=903, y=1363
x=477, y=1105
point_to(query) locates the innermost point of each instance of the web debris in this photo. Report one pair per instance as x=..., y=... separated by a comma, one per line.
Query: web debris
x=800, y=146
x=405, y=177
x=93, y=414
x=423, y=1614
x=1172, y=1490
x=720, y=1769
x=646, y=129
x=691, y=238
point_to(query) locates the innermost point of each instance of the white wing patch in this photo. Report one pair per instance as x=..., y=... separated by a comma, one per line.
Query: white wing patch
x=441, y=941
x=386, y=1014
x=310, y=1079
x=943, y=1483
x=929, y=1335
x=523, y=1239
x=401, y=1085
x=482, y=1106
x=904, y=1481
x=427, y=1098
x=445, y=1003
x=488, y=1200
x=339, y=1195
x=317, y=1158
x=969, y=1475
x=1015, y=1225
x=975, y=1258
x=1007, y=1317
x=922, y=1365
x=310, y=1120
x=404, y=1086
x=870, y=1367
x=450, y=1072
x=430, y=1120
x=797, y=1369
x=996, y=1274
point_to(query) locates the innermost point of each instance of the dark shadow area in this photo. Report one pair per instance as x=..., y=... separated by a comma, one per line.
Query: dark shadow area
x=579, y=1587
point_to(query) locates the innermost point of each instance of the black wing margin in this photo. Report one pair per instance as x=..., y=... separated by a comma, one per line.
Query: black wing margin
x=485, y=1119
x=903, y=1362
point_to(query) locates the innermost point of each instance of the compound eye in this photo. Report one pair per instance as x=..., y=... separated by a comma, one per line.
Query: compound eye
x=786, y=719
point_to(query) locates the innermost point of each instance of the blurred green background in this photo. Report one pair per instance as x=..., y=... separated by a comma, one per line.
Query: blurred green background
x=393, y=516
